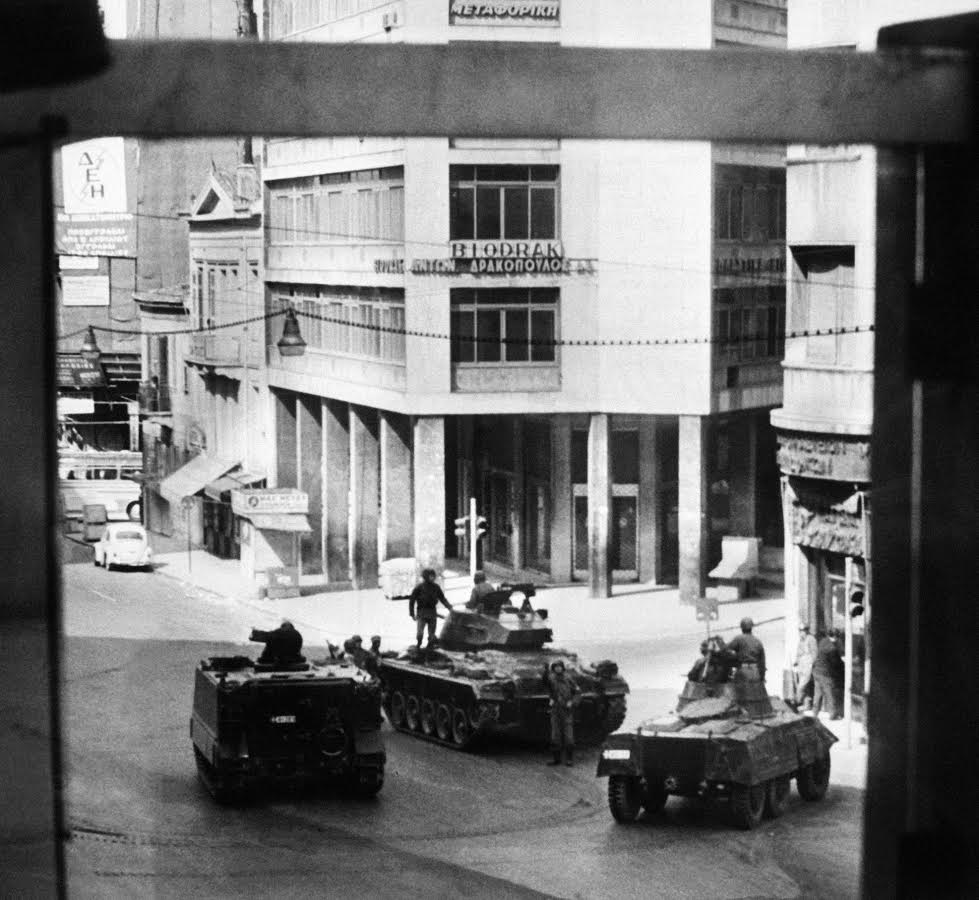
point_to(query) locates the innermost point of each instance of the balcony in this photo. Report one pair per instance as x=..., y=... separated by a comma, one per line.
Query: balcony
x=218, y=351
x=826, y=399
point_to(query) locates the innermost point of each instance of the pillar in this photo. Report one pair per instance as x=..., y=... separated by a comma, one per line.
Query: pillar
x=365, y=487
x=396, y=501
x=744, y=477
x=692, y=512
x=650, y=538
x=561, y=502
x=336, y=491
x=309, y=435
x=518, y=501
x=286, y=447
x=599, y=505
x=428, y=462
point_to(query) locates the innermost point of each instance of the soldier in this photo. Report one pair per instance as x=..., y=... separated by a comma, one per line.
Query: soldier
x=750, y=651
x=713, y=664
x=805, y=656
x=481, y=587
x=564, y=693
x=425, y=598
x=282, y=645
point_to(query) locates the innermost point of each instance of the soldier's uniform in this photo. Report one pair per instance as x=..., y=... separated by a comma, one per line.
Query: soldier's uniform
x=750, y=652
x=563, y=693
x=282, y=646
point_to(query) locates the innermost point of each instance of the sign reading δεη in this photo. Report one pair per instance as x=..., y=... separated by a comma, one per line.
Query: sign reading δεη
x=251, y=501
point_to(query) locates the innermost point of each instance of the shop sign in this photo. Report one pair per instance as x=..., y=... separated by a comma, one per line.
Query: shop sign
x=85, y=290
x=829, y=458
x=251, y=501
x=832, y=530
x=742, y=262
x=505, y=12
x=75, y=371
x=493, y=258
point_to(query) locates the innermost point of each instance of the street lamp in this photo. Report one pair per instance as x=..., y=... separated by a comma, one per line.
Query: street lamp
x=291, y=343
x=90, y=349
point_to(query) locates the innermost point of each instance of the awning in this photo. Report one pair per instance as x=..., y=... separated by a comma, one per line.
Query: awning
x=231, y=482
x=192, y=476
x=295, y=522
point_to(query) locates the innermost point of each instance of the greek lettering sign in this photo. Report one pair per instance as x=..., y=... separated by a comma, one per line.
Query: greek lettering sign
x=505, y=12
x=85, y=290
x=832, y=530
x=493, y=258
x=247, y=502
x=829, y=458
x=766, y=264
x=74, y=371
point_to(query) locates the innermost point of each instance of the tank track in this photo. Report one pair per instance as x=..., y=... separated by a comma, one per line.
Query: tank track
x=440, y=723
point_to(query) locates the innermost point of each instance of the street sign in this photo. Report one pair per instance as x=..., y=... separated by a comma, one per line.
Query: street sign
x=707, y=609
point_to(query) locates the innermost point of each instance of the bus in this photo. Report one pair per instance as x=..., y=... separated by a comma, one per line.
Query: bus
x=106, y=477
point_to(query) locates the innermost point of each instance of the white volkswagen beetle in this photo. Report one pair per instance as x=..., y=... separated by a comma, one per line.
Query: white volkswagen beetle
x=123, y=544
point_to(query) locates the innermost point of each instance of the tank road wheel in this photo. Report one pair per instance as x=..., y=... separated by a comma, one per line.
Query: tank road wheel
x=777, y=796
x=461, y=729
x=443, y=722
x=398, y=709
x=412, y=712
x=747, y=805
x=813, y=780
x=624, y=797
x=614, y=714
x=428, y=717
x=369, y=782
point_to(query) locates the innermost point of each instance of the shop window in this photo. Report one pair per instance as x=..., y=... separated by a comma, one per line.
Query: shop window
x=503, y=325
x=503, y=202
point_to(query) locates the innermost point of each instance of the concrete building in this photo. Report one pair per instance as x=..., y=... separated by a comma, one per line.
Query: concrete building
x=584, y=336
x=825, y=422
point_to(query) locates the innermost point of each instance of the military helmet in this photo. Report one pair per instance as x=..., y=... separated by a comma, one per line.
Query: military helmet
x=747, y=624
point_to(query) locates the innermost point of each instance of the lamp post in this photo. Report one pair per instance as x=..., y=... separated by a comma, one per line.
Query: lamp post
x=90, y=348
x=291, y=343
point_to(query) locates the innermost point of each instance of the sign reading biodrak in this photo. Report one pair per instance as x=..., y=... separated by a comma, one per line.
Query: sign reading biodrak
x=493, y=258
x=511, y=12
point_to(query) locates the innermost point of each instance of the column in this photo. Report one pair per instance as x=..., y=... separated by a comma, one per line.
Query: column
x=650, y=538
x=309, y=416
x=429, y=485
x=561, y=504
x=599, y=505
x=744, y=477
x=692, y=513
x=517, y=500
x=336, y=491
x=365, y=472
x=286, y=445
x=396, y=511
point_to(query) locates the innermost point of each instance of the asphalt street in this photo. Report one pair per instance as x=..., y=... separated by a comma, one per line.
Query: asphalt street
x=495, y=824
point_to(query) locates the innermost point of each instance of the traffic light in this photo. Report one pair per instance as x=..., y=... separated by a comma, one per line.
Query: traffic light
x=479, y=527
x=461, y=524
x=856, y=604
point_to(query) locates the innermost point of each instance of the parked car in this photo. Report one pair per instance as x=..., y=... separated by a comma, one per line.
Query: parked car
x=123, y=544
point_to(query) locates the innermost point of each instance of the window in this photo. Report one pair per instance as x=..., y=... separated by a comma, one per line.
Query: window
x=749, y=203
x=503, y=325
x=749, y=323
x=823, y=300
x=503, y=202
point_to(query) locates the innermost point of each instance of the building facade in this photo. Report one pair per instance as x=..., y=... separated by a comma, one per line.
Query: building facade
x=583, y=336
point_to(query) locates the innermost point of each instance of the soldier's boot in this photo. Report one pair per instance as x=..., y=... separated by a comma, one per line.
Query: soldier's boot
x=569, y=756
x=556, y=758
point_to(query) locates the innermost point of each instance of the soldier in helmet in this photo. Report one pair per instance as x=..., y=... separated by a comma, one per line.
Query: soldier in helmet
x=564, y=696
x=749, y=651
x=423, y=606
x=282, y=645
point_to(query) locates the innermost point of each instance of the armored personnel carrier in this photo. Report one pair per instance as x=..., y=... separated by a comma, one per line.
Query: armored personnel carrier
x=256, y=723
x=487, y=676
x=726, y=740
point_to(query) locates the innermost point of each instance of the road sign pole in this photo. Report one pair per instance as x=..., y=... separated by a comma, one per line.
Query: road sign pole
x=473, y=537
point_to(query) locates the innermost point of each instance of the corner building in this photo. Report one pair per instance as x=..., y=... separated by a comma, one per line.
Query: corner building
x=585, y=336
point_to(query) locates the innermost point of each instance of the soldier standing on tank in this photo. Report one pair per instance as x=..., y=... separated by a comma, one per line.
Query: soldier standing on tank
x=564, y=694
x=425, y=599
x=750, y=651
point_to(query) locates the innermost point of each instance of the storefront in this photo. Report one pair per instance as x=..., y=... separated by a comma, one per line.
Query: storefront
x=272, y=521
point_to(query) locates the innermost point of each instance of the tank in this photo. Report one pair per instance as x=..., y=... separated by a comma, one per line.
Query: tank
x=486, y=676
x=255, y=724
x=725, y=740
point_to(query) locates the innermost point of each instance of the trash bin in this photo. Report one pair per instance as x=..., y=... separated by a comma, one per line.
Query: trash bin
x=282, y=581
x=94, y=519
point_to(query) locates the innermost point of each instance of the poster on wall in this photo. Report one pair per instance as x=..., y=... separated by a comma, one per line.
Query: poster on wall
x=505, y=12
x=85, y=290
x=94, y=219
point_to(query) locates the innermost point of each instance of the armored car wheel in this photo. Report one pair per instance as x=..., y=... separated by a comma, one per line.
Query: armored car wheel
x=461, y=729
x=398, y=709
x=412, y=713
x=813, y=780
x=443, y=722
x=747, y=805
x=428, y=717
x=777, y=796
x=624, y=797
